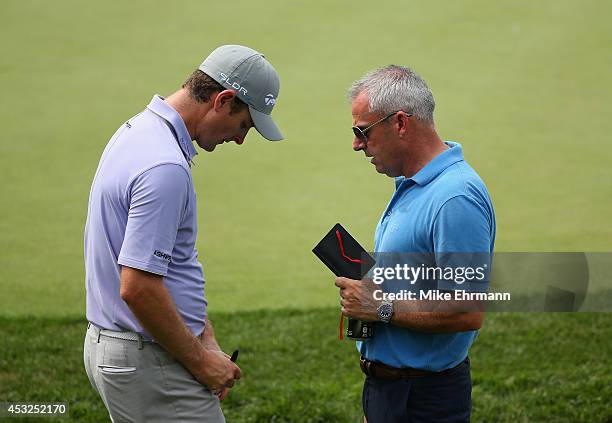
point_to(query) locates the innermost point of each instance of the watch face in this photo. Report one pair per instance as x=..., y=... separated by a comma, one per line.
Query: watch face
x=385, y=311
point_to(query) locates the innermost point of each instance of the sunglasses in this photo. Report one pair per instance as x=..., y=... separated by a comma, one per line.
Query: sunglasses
x=361, y=133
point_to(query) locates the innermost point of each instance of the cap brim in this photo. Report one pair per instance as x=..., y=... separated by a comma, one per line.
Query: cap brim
x=265, y=125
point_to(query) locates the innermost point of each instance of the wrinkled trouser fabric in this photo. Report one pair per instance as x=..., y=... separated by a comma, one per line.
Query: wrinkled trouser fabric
x=145, y=384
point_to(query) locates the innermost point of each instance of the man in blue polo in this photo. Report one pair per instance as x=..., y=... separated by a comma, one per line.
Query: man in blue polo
x=150, y=349
x=416, y=364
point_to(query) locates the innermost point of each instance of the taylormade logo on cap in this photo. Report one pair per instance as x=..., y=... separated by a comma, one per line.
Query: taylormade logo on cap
x=270, y=100
x=254, y=79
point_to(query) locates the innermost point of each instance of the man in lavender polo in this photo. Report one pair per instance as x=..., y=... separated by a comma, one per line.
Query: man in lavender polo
x=150, y=349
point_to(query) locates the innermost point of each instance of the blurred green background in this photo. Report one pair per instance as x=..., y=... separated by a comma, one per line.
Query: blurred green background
x=524, y=86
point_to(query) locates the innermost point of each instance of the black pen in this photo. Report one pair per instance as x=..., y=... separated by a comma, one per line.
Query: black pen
x=234, y=356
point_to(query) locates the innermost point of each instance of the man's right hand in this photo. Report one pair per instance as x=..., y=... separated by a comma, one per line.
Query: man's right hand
x=149, y=300
x=215, y=370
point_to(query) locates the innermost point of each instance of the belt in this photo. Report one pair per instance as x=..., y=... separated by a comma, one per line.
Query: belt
x=382, y=371
x=124, y=335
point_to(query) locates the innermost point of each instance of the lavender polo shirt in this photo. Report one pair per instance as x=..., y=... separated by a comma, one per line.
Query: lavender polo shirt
x=142, y=214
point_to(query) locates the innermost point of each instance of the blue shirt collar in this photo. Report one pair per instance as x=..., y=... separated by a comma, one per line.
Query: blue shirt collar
x=159, y=106
x=435, y=167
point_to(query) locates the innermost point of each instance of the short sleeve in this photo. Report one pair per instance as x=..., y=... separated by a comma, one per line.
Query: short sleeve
x=463, y=237
x=462, y=225
x=157, y=202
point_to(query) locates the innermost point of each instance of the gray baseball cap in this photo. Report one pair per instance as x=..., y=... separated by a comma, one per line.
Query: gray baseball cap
x=255, y=81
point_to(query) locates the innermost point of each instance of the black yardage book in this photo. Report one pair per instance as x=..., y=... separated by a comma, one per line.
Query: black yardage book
x=345, y=257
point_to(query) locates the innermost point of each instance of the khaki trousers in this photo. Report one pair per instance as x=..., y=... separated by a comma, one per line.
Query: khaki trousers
x=140, y=382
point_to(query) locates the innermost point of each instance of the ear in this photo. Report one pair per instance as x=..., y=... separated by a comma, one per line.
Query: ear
x=403, y=120
x=223, y=99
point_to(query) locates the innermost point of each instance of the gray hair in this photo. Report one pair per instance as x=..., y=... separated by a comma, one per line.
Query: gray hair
x=394, y=88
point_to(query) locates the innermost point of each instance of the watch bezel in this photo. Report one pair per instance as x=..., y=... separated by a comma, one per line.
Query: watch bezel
x=385, y=311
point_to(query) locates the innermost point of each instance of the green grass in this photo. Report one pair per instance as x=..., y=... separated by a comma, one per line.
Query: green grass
x=530, y=367
x=525, y=86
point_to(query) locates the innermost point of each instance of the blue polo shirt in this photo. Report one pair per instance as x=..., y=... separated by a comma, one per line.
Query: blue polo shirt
x=444, y=208
x=142, y=214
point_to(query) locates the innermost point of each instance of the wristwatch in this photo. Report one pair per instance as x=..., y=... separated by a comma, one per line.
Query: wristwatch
x=385, y=311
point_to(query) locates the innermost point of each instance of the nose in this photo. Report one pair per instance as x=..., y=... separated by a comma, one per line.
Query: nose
x=358, y=144
x=239, y=140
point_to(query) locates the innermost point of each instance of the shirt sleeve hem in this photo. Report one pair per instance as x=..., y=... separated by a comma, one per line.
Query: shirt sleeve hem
x=141, y=265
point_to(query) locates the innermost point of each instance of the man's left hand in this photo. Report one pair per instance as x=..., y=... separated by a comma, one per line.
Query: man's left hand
x=208, y=340
x=357, y=299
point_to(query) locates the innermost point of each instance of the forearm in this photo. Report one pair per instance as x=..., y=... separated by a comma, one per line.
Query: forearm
x=208, y=336
x=149, y=300
x=438, y=322
x=359, y=302
x=438, y=316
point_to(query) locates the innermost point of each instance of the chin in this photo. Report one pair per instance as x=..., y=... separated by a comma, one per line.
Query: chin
x=387, y=172
x=205, y=147
x=381, y=169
